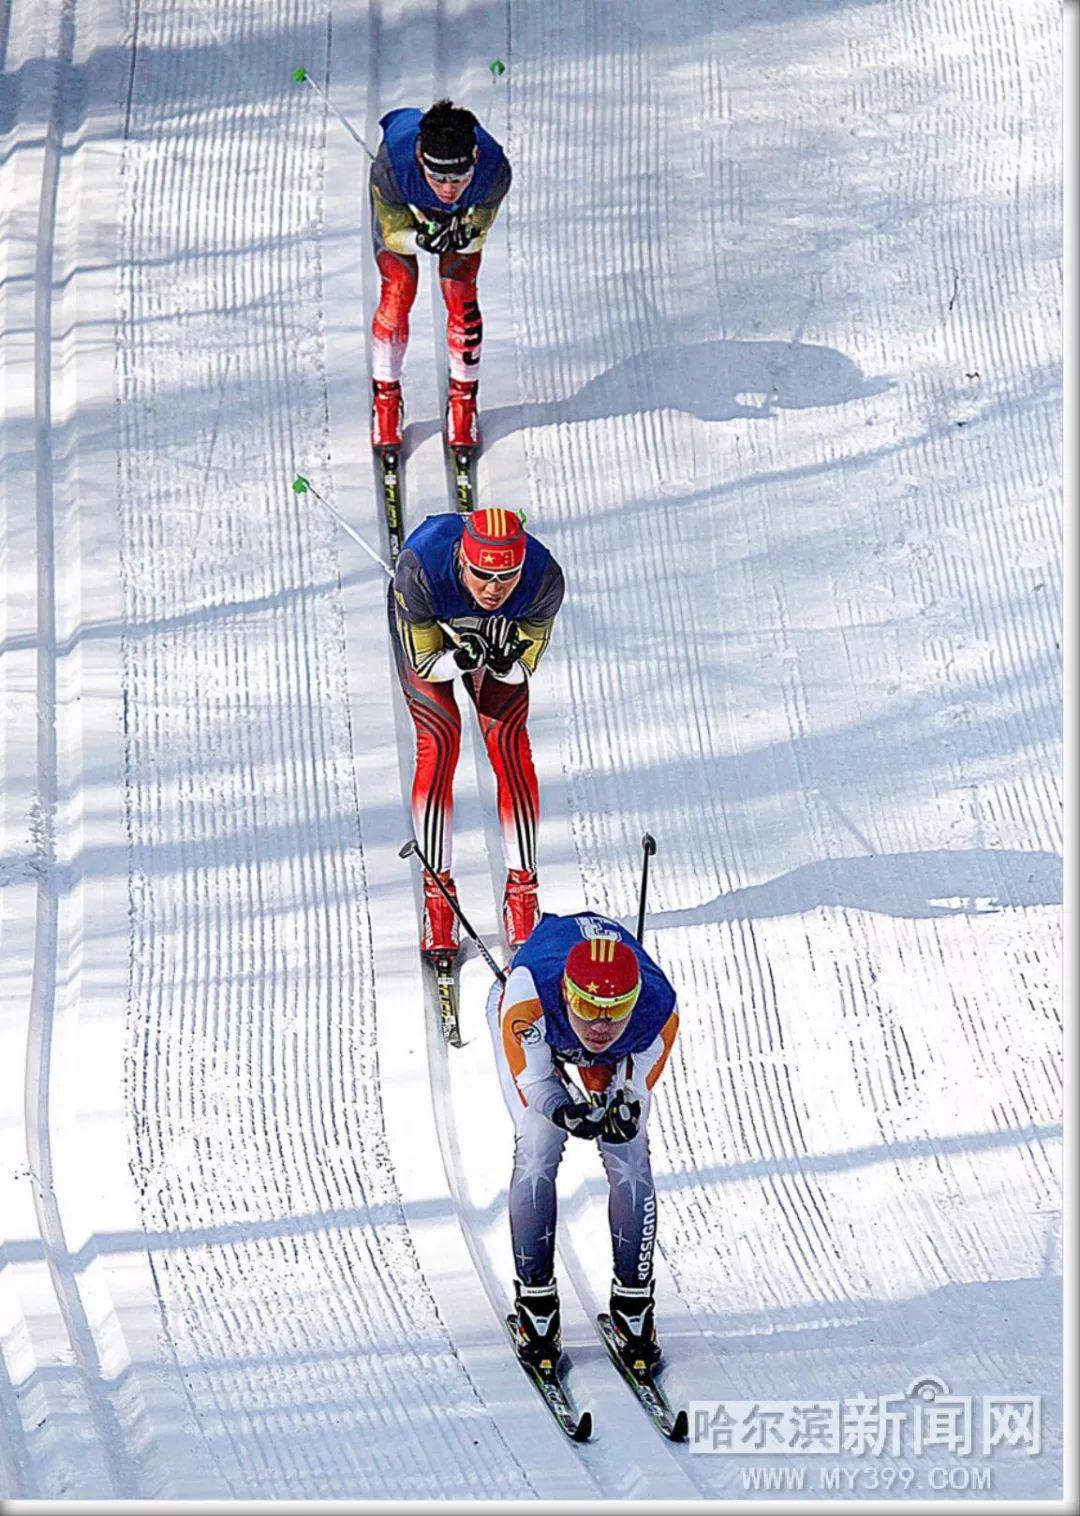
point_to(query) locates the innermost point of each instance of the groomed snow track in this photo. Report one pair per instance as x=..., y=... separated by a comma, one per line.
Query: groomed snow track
x=772, y=364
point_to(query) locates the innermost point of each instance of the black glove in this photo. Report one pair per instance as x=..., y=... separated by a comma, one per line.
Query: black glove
x=622, y=1118
x=580, y=1119
x=471, y=651
x=436, y=236
x=462, y=234
x=504, y=645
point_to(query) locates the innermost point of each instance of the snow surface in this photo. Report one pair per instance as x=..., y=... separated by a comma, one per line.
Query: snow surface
x=772, y=364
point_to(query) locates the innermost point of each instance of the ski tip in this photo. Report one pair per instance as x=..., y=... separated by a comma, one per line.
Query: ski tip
x=583, y=1431
x=300, y=74
x=301, y=485
x=680, y=1427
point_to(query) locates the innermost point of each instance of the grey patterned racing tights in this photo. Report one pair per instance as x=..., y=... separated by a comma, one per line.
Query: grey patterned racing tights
x=538, y=1150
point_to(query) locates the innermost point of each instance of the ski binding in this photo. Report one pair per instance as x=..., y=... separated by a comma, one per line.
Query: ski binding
x=672, y=1424
x=464, y=488
x=444, y=967
x=550, y=1384
x=390, y=484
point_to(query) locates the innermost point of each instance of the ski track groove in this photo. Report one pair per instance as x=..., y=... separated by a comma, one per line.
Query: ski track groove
x=109, y=1462
x=250, y=1089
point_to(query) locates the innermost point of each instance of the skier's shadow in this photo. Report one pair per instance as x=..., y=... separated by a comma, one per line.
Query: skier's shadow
x=938, y=882
x=714, y=381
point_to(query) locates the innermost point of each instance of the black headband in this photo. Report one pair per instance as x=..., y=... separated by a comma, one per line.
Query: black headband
x=448, y=163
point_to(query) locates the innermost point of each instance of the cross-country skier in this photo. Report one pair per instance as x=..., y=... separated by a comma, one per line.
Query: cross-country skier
x=436, y=184
x=500, y=589
x=582, y=991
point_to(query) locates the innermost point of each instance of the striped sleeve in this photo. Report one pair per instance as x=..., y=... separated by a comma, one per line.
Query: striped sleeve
x=537, y=634
x=537, y=623
x=420, y=634
x=394, y=222
x=480, y=217
x=422, y=642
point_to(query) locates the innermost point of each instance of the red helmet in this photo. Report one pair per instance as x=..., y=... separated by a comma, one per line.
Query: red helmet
x=493, y=540
x=602, y=976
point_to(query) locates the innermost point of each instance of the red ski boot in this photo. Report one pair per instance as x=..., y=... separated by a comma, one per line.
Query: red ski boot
x=440, y=923
x=462, y=427
x=386, y=411
x=521, y=908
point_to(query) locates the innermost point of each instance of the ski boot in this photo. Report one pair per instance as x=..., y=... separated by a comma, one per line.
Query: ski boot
x=462, y=427
x=632, y=1318
x=521, y=909
x=539, y=1325
x=386, y=412
x=440, y=939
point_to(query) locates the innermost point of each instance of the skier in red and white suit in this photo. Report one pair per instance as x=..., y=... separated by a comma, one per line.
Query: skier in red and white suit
x=500, y=590
x=436, y=185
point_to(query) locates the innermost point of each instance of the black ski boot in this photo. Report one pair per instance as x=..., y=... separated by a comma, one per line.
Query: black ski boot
x=539, y=1326
x=632, y=1317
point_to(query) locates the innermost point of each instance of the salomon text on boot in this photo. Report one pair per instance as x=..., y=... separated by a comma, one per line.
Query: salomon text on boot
x=539, y=1326
x=633, y=1320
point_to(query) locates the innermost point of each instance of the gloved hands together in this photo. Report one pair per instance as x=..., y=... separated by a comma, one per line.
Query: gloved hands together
x=618, y=1122
x=449, y=236
x=496, y=645
x=435, y=236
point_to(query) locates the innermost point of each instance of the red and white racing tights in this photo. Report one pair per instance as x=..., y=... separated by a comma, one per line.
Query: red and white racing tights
x=464, y=324
x=502, y=710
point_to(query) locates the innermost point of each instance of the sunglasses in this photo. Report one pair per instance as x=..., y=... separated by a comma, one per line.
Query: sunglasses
x=613, y=1008
x=449, y=178
x=486, y=576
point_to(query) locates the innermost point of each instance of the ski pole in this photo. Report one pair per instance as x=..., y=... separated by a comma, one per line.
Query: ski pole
x=648, y=847
x=412, y=846
x=303, y=486
x=302, y=76
x=616, y=1092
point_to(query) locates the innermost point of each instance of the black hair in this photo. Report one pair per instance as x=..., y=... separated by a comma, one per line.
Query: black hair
x=448, y=133
x=445, y=116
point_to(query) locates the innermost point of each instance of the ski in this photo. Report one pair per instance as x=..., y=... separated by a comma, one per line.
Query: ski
x=444, y=969
x=463, y=461
x=673, y=1424
x=551, y=1386
x=388, y=460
